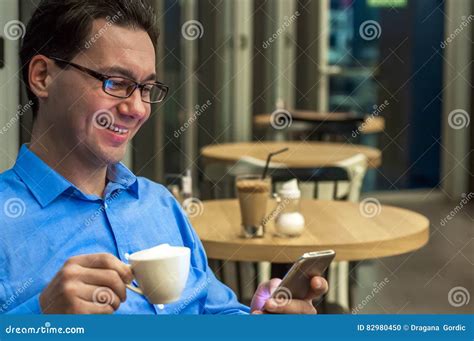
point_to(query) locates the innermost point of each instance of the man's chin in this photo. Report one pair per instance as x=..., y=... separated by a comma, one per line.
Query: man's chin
x=115, y=157
x=111, y=155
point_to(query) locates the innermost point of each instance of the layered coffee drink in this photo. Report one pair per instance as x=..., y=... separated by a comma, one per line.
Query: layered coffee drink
x=253, y=193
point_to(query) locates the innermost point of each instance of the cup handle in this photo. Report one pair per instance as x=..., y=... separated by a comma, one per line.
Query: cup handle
x=135, y=289
x=130, y=286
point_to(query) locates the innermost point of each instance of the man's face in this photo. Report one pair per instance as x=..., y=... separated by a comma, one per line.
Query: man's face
x=76, y=100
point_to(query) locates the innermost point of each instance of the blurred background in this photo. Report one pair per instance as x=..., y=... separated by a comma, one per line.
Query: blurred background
x=231, y=64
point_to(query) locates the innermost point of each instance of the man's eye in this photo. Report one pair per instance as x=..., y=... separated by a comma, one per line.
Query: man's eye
x=113, y=84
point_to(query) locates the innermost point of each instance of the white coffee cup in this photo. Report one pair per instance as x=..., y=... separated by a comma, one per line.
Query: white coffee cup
x=161, y=272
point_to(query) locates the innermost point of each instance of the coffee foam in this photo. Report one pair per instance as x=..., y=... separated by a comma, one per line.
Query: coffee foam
x=158, y=252
x=253, y=186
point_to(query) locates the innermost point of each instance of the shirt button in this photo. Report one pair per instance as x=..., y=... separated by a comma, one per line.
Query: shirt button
x=106, y=206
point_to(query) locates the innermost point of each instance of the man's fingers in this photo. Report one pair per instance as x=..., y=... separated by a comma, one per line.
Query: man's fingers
x=104, y=261
x=319, y=286
x=273, y=284
x=263, y=293
x=100, y=296
x=257, y=312
x=265, y=289
x=105, y=278
x=81, y=306
x=290, y=307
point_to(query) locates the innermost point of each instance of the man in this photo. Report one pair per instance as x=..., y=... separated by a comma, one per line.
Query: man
x=71, y=211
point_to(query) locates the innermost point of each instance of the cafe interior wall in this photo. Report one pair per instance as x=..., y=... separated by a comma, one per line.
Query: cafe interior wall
x=156, y=152
x=9, y=93
x=406, y=165
x=411, y=78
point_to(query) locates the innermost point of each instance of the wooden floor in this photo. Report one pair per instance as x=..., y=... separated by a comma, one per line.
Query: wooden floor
x=420, y=282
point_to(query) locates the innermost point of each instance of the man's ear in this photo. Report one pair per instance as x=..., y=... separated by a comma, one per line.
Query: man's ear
x=39, y=76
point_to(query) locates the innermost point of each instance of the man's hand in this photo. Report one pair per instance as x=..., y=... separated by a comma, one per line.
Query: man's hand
x=262, y=303
x=87, y=284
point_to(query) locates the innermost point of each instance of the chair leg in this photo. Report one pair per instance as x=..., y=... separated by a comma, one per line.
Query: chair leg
x=338, y=279
x=334, y=193
x=220, y=265
x=239, y=279
x=256, y=278
x=343, y=285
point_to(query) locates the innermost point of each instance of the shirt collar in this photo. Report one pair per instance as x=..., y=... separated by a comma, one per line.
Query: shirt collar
x=120, y=174
x=46, y=184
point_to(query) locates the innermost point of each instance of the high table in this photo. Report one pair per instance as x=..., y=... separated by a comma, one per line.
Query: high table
x=301, y=154
x=369, y=124
x=356, y=231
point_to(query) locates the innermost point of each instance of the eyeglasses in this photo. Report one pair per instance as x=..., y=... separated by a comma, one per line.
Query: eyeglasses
x=122, y=87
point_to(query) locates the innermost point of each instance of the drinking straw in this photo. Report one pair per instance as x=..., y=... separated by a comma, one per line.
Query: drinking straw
x=270, y=155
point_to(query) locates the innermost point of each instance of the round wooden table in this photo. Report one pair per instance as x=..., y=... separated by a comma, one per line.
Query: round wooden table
x=301, y=154
x=370, y=125
x=354, y=231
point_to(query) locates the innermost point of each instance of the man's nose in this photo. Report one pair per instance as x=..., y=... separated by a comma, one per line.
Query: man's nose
x=134, y=107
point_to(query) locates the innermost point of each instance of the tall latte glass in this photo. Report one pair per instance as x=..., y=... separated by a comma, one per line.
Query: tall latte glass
x=253, y=193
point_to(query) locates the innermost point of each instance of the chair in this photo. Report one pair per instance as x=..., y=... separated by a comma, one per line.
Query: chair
x=339, y=272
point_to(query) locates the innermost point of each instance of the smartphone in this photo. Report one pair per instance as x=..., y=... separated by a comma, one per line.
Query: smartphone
x=296, y=283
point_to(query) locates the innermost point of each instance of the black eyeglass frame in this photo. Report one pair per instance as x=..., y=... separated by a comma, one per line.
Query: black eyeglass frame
x=104, y=78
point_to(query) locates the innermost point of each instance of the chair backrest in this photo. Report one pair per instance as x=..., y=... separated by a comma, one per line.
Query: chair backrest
x=310, y=179
x=356, y=167
x=340, y=182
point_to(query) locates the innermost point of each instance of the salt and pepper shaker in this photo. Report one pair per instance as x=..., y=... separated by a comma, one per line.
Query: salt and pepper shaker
x=289, y=221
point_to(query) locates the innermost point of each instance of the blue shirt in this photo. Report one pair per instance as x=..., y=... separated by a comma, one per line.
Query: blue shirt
x=45, y=220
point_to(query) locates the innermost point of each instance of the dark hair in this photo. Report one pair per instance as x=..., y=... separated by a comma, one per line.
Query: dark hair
x=60, y=28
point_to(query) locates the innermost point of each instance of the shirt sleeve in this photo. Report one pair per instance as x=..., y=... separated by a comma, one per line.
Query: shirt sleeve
x=220, y=298
x=30, y=306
